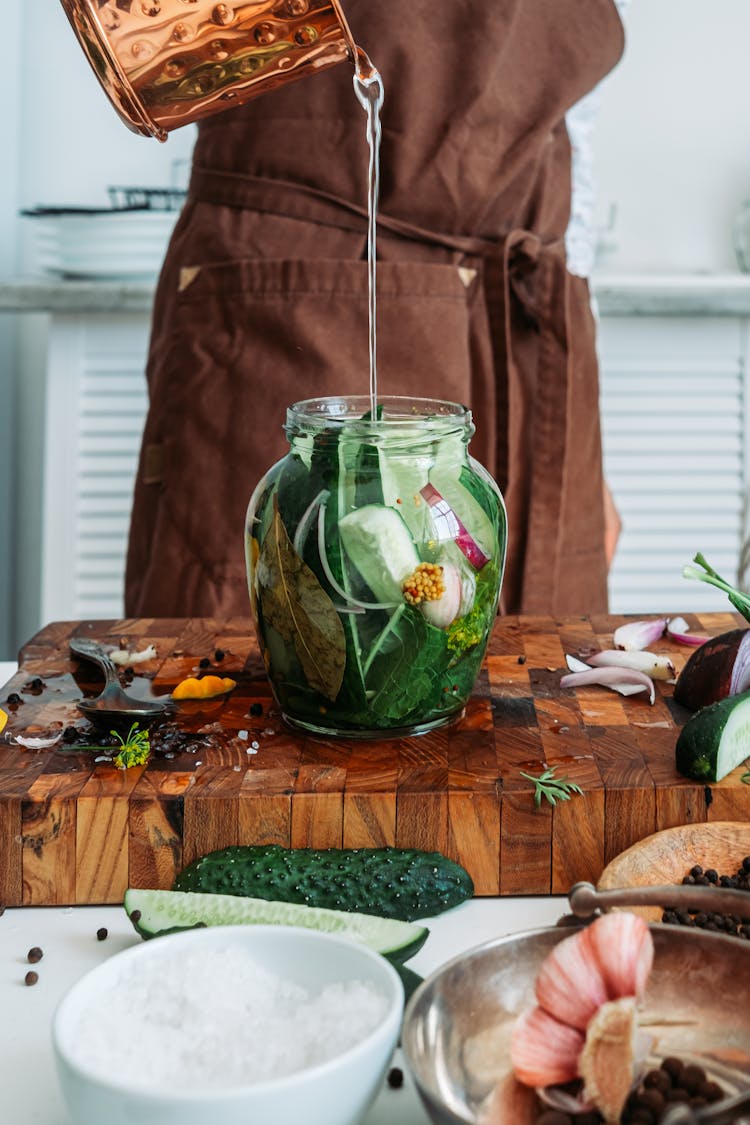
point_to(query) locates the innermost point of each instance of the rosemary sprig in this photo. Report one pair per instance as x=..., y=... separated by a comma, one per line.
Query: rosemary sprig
x=135, y=748
x=552, y=788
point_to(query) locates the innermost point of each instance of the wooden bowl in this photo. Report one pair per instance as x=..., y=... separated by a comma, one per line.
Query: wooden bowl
x=667, y=856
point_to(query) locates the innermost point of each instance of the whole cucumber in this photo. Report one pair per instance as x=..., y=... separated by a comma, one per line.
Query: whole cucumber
x=400, y=883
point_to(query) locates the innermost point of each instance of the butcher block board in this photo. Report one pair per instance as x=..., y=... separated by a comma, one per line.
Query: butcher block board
x=76, y=830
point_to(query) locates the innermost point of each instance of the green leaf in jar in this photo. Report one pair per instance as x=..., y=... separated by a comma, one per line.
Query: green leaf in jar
x=296, y=605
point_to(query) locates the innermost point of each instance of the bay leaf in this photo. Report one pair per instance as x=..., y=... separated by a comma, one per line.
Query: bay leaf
x=293, y=601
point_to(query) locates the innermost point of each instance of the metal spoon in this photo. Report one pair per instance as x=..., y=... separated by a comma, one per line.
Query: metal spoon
x=585, y=899
x=114, y=704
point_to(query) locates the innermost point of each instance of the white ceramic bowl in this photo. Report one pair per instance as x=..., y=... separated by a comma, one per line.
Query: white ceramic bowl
x=334, y=1092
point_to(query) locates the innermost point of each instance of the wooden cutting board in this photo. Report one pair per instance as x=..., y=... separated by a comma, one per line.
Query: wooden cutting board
x=76, y=830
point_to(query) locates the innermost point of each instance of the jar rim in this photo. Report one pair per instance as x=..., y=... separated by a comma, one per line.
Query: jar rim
x=399, y=413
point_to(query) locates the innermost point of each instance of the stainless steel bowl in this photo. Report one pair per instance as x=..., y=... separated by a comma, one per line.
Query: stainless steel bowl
x=457, y=1025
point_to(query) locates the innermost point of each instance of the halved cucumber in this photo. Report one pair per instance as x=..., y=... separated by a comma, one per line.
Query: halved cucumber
x=380, y=546
x=715, y=740
x=163, y=912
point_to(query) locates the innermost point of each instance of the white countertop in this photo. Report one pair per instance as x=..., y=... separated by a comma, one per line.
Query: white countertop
x=29, y=1094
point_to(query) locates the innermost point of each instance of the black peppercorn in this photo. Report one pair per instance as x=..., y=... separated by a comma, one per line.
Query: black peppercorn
x=204, y=662
x=14, y=698
x=219, y=655
x=102, y=933
x=673, y=1067
x=31, y=977
x=256, y=709
x=35, y=954
x=395, y=1077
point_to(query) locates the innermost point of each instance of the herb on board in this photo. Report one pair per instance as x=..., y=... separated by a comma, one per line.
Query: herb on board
x=552, y=788
x=134, y=749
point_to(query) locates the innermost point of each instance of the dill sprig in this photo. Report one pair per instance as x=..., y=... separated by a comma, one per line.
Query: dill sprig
x=135, y=748
x=552, y=788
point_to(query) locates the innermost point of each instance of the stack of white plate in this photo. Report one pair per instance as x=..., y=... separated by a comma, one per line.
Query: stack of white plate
x=109, y=245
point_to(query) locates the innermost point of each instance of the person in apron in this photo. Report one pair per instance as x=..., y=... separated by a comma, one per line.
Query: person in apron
x=262, y=299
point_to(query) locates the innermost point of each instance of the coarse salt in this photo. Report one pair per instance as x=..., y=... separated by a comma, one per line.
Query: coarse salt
x=219, y=1019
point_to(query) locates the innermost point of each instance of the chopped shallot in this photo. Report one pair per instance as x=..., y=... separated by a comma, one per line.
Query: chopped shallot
x=618, y=679
x=639, y=634
x=654, y=664
x=679, y=630
x=125, y=657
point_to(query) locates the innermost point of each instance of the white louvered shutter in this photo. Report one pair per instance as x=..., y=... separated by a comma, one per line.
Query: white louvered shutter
x=674, y=433
x=96, y=403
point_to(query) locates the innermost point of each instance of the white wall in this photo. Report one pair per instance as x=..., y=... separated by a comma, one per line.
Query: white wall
x=673, y=140
x=74, y=144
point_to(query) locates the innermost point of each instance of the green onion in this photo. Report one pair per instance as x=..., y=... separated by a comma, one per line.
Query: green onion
x=739, y=600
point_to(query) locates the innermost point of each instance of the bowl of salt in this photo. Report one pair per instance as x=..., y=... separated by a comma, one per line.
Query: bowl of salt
x=236, y=1025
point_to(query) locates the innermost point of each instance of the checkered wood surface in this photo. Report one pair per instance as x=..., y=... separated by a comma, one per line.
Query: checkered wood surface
x=74, y=831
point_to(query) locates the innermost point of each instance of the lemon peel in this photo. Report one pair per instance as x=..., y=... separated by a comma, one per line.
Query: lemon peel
x=3, y=720
x=204, y=688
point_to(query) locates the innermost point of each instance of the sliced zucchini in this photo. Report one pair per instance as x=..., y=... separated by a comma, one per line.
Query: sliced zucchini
x=715, y=740
x=162, y=912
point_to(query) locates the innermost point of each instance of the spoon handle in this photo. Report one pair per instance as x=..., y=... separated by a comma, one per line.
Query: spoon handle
x=90, y=650
x=585, y=899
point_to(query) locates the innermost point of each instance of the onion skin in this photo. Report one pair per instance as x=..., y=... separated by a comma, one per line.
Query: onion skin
x=707, y=675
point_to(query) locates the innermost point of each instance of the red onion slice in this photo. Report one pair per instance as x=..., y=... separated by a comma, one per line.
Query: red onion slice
x=740, y=680
x=679, y=630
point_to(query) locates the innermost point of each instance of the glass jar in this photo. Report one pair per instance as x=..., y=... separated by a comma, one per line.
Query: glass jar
x=375, y=553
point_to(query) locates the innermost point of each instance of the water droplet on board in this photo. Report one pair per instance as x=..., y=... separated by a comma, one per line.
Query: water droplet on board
x=151, y=9
x=222, y=14
x=296, y=7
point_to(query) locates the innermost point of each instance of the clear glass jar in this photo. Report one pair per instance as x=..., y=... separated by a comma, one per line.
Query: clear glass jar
x=375, y=553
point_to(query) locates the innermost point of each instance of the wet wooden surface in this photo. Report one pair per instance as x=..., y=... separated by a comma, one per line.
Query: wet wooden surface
x=76, y=830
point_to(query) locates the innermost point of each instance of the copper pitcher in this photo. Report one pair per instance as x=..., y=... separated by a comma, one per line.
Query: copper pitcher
x=167, y=63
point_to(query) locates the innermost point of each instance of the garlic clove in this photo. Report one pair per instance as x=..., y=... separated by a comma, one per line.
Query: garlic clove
x=544, y=1051
x=606, y=1063
x=443, y=611
x=570, y=985
x=622, y=947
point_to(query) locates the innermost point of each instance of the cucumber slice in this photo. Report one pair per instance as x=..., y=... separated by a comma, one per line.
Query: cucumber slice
x=380, y=546
x=162, y=912
x=715, y=740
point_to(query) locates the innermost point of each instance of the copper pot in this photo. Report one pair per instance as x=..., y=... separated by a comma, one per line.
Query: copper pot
x=167, y=63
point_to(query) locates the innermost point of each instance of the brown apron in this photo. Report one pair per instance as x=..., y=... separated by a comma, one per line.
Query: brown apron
x=263, y=296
